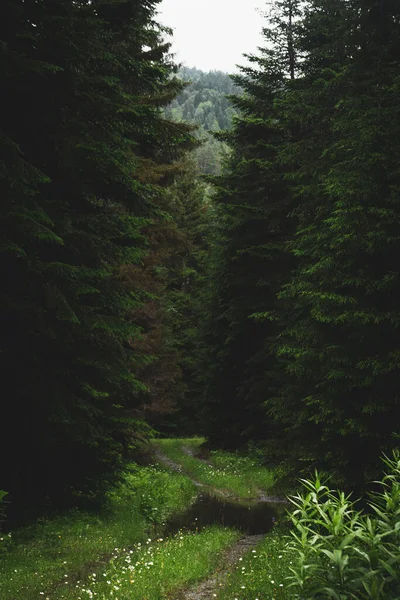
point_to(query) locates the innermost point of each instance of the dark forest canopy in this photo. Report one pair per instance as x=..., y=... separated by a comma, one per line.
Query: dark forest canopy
x=266, y=314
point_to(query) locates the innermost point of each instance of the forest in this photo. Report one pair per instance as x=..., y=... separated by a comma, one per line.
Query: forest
x=205, y=103
x=200, y=295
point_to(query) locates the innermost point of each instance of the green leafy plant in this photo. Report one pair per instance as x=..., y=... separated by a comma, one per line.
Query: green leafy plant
x=344, y=553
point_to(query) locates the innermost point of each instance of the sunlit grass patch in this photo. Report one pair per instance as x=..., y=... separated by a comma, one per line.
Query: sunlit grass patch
x=53, y=554
x=153, y=570
x=239, y=475
x=261, y=574
x=254, y=477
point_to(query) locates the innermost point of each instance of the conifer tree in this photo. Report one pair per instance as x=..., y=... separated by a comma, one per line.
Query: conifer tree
x=253, y=211
x=342, y=341
x=195, y=217
x=81, y=90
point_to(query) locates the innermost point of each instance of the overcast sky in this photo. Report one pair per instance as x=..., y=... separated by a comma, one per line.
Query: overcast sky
x=213, y=34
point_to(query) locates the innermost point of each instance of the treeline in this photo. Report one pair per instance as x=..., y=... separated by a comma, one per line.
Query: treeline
x=302, y=326
x=94, y=240
x=205, y=102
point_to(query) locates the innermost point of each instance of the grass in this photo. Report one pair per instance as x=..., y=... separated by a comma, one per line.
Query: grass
x=261, y=574
x=121, y=554
x=47, y=558
x=239, y=475
x=160, y=567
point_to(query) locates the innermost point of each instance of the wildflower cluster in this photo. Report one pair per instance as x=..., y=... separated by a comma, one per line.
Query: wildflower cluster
x=156, y=567
x=124, y=569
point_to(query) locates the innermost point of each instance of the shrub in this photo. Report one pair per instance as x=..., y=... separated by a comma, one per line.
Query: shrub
x=343, y=553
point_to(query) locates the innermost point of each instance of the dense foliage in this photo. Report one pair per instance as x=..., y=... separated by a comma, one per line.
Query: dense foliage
x=85, y=157
x=340, y=552
x=266, y=313
x=303, y=323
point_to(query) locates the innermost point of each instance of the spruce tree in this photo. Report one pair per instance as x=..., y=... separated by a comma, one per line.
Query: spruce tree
x=252, y=260
x=195, y=217
x=341, y=343
x=81, y=90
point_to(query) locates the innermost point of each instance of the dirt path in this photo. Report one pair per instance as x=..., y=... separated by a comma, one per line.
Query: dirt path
x=176, y=467
x=208, y=589
x=205, y=589
x=260, y=498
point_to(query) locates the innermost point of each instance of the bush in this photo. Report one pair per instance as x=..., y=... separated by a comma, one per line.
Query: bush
x=343, y=553
x=153, y=494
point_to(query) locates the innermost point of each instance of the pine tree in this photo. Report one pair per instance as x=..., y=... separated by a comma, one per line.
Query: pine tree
x=341, y=343
x=82, y=89
x=253, y=211
x=194, y=214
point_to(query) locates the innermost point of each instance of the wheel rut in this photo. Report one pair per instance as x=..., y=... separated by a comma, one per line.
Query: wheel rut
x=253, y=516
x=206, y=589
x=262, y=497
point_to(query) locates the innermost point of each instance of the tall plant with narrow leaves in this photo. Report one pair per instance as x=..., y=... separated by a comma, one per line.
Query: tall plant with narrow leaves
x=344, y=553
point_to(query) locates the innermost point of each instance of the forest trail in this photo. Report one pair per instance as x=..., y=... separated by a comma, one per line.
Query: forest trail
x=261, y=497
x=214, y=534
x=160, y=456
x=252, y=515
x=206, y=589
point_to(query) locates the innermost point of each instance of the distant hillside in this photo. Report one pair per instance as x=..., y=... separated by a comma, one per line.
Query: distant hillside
x=204, y=102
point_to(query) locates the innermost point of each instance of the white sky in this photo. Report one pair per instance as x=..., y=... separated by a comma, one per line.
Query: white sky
x=213, y=34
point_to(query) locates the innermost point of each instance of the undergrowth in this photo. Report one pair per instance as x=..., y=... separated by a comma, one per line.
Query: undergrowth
x=159, y=567
x=47, y=558
x=335, y=551
x=343, y=553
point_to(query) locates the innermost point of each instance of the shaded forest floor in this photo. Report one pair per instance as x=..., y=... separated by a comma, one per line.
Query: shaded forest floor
x=163, y=536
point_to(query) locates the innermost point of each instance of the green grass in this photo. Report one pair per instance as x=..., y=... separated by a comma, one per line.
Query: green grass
x=75, y=555
x=261, y=574
x=47, y=558
x=239, y=475
x=154, y=570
